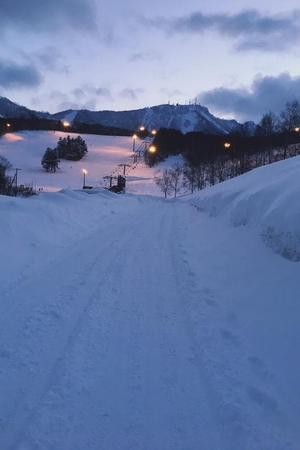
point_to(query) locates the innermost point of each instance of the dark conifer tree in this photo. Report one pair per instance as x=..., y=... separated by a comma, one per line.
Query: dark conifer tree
x=50, y=160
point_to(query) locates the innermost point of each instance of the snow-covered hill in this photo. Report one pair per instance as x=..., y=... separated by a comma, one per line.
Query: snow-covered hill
x=11, y=110
x=105, y=153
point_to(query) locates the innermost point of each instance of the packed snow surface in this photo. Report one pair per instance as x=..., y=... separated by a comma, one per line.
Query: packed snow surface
x=132, y=322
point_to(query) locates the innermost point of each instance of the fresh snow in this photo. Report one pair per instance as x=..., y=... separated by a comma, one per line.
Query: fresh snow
x=132, y=322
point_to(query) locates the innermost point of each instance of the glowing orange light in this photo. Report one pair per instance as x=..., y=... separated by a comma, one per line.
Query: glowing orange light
x=152, y=149
x=134, y=136
x=84, y=171
x=297, y=129
x=227, y=145
x=142, y=128
x=153, y=132
x=66, y=124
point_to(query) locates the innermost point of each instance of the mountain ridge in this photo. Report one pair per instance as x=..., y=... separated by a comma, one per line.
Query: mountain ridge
x=186, y=118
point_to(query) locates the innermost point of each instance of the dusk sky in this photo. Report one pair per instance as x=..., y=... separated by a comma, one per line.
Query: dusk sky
x=238, y=58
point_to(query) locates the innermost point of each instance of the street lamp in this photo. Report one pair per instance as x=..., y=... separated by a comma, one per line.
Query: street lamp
x=84, y=171
x=153, y=132
x=7, y=127
x=297, y=129
x=142, y=128
x=133, y=143
x=152, y=149
x=227, y=144
x=66, y=124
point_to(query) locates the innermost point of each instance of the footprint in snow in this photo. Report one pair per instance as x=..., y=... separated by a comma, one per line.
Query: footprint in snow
x=210, y=301
x=259, y=368
x=263, y=399
x=208, y=296
x=229, y=336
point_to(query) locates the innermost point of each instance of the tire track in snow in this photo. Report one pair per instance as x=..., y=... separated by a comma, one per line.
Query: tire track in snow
x=129, y=380
x=70, y=302
x=10, y=293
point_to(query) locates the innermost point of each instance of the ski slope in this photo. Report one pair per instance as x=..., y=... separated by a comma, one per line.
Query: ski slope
x=105, y=155
x=132, y=322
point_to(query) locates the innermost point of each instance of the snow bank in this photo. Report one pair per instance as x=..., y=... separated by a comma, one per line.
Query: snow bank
x=266, y=198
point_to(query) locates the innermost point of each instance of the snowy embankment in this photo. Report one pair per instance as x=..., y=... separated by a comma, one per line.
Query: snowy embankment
x=267, y=199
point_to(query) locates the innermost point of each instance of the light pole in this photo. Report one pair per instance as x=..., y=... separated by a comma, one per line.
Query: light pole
x=16, y=176
x=124, y=168
x=152, y=149
x=8, y=128
x=133, y=142
x=84, y=171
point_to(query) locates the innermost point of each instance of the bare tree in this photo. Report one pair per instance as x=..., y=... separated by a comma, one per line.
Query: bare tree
x=222, y=168
x=268, y=125
x=266, y=129
x=290, y=116
x=293, y=150
x=176, y=174
x=211, y=173
x=5, y=181
x=163, y=180
x=189, y=177
x=200, y=175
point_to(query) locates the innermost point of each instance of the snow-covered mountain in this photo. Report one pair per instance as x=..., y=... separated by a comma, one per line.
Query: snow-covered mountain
x=9, y=109
x=180, y=117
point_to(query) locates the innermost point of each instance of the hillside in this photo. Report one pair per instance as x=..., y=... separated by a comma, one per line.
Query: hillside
x=25, y=150
x=11, y=109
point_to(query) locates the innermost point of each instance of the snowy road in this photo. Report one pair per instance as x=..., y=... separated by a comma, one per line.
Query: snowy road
x=110, y=347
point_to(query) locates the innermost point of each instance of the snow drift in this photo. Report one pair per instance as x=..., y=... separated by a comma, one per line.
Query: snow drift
x=266, y=198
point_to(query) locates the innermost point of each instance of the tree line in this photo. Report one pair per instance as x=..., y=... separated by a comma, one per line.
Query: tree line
x=20, y=124
x=212, y=159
